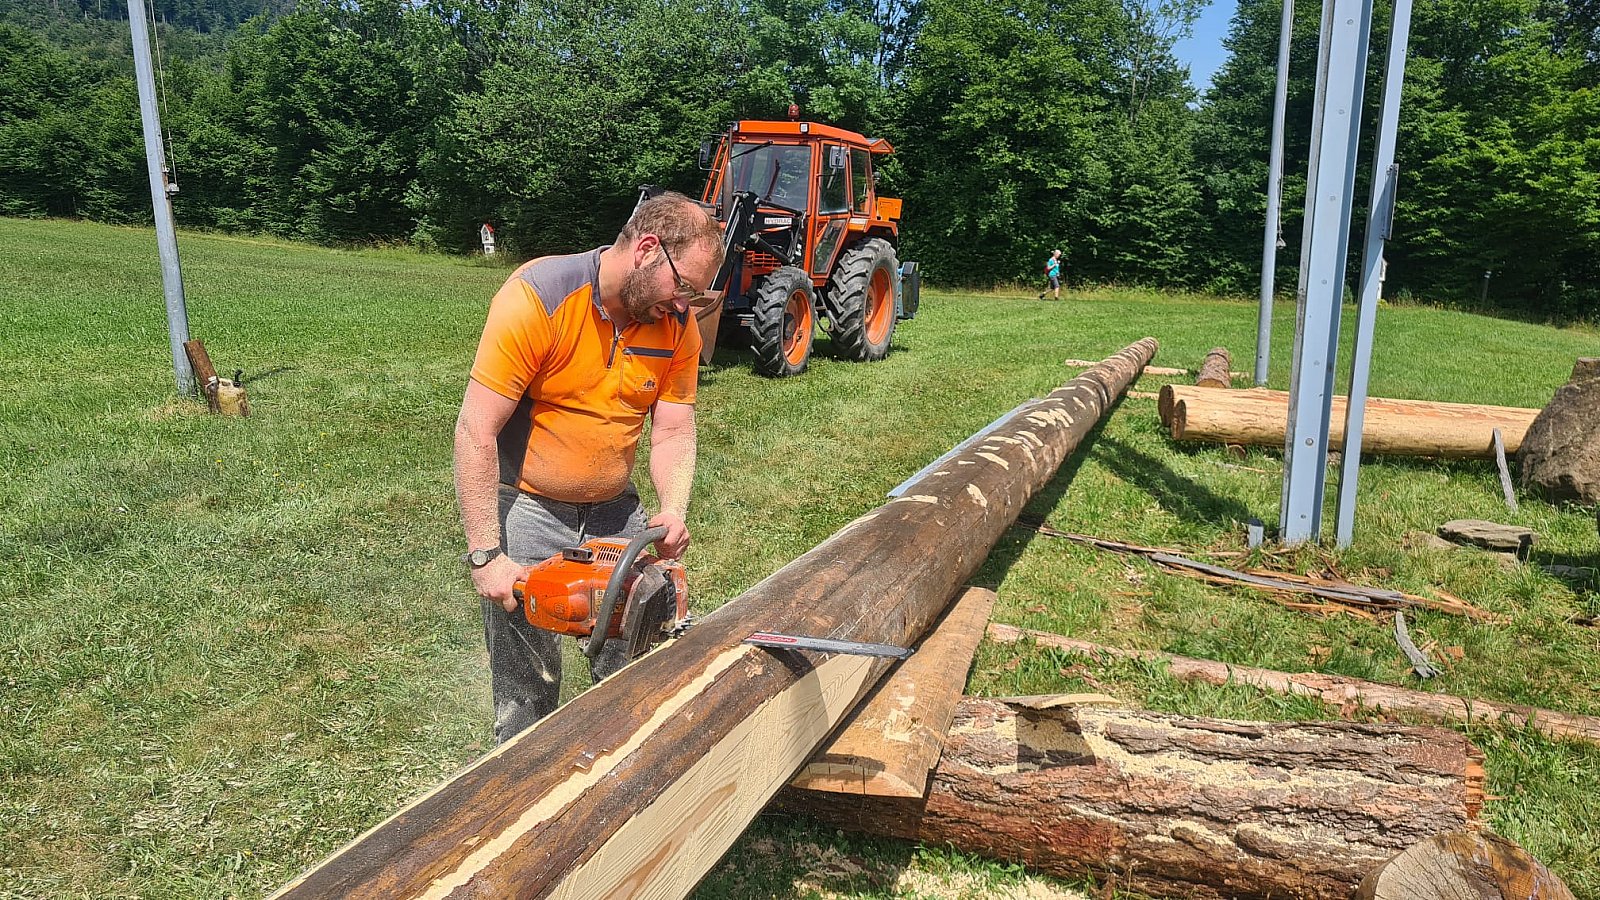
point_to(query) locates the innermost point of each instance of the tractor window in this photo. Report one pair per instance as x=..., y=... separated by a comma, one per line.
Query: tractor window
x=860, y=177
x=752, y=167
x=833, y=195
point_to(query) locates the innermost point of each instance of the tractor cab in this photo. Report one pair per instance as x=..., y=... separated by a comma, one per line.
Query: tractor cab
x=809, y=243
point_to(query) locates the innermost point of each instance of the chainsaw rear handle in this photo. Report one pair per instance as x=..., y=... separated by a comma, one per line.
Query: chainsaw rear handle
x=608, y=605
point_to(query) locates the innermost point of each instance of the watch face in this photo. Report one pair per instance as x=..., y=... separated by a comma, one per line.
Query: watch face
x=478, y=557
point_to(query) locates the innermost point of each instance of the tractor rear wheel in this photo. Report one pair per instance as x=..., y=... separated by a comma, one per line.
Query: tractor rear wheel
x=783, y=322
x=860, y=300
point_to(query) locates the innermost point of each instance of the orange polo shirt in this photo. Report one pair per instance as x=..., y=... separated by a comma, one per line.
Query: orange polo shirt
x=583, y=389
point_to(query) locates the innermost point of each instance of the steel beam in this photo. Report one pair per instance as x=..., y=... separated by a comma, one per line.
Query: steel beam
x=1380, y=224
x=1273, y=232
x=1330, y=185
x=160, y=201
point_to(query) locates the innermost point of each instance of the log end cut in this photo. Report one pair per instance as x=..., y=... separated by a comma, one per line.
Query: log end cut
x=1461, y=864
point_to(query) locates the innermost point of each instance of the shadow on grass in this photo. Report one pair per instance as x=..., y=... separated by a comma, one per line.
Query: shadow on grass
x=1185, y=498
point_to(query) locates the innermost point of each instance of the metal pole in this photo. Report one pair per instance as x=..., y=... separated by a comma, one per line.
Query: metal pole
x=1329, y=189
x=166, y=234
x=1273, y=231
x=1380, y=225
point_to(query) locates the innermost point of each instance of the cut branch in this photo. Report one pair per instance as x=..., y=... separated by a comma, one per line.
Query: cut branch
x=637, y=787
x=1178, y=806
x=1348, y=695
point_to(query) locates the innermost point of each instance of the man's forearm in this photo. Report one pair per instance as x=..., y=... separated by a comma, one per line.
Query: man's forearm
x=672, y=461
x=478, y=489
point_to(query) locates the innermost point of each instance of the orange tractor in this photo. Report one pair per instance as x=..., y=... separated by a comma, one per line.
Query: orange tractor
x=809, y=244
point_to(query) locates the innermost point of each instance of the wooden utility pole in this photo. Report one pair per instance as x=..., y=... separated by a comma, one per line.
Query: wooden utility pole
x=637, y=787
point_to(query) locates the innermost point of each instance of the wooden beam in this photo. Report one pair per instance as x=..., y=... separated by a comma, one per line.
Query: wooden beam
x=892, y=741
x=1339, y=692
x=1177, y=806
x=1214, y=371
x=638, y=786
x=1400, y=427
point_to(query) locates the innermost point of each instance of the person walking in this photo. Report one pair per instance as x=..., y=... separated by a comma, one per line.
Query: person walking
x=577, y=352
x=1052, y=271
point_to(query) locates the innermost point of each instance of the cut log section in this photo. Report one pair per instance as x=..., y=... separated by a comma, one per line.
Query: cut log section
x=1463, y=864
x=1178, y=806
x=1215, y=370
x=638, y=786
x=1399, y=427
x=892, y=741
x=1339, y=692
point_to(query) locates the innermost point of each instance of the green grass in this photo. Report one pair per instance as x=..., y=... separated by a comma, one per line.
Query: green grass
x=228, y=646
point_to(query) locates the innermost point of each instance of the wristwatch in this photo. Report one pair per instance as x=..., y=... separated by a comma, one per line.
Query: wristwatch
x=477, y=559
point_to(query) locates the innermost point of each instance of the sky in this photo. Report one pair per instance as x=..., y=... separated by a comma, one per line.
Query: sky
x=1203, y=51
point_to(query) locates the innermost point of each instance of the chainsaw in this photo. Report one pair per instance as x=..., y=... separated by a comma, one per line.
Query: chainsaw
x=640, y=600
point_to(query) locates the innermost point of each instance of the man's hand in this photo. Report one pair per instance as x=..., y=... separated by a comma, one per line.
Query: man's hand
x=494, y=581
x=677, y=539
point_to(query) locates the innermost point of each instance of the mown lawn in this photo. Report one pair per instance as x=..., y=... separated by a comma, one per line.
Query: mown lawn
x=228, y=646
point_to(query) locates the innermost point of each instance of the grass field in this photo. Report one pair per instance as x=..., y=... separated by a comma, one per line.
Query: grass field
x=228, y=646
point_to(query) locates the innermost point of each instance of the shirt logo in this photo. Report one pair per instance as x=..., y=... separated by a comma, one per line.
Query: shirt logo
x=649, y=384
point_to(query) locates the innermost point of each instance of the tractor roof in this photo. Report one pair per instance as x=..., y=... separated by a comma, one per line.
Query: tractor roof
x=790, y=129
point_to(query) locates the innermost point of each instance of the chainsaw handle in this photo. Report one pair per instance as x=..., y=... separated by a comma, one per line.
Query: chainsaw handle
x=608, y=604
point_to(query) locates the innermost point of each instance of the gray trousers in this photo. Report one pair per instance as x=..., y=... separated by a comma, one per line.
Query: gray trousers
x=525, y=662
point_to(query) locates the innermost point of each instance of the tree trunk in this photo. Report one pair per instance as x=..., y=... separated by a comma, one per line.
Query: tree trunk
x=637, y=787
x=1216, y=371
x=1463, y=865
x=1335, y=690
x=1400, y=427
x=1178, y=806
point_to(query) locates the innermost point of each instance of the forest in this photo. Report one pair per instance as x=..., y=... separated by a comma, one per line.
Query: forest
x=1019, y=126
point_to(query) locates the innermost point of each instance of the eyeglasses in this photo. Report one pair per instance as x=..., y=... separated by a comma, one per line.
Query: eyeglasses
x=694, y=295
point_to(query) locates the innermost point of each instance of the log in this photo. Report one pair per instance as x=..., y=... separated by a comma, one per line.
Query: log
x=1345, y=694
x=1463, y=864
x=892, y=741
x=1215, y=371
x=1399, y=427
x=638, y=786
x=1147, y=370
x=1178, y=806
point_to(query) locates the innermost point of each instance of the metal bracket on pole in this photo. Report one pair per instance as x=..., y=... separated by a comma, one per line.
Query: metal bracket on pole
x=1273, y=233
x=1330, y=183
x=155, y=162
x=1380, y=224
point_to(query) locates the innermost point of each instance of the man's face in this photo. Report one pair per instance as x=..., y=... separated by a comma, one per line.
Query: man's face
x=661, y=284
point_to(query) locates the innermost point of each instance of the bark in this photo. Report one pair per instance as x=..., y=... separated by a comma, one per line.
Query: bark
x=205, y=374
x=637, y=787
x=1178, y=806
x=1339, y=692
x=1463, y=864
x=1400, y=427
x=1215, y=371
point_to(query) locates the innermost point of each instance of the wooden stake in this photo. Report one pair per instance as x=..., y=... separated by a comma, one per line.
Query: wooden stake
x=205, y=374
x=892, y=741
x=1345, y=694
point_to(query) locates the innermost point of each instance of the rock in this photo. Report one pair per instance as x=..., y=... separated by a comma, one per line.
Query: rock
x=1560, y=455
x=1489, y=535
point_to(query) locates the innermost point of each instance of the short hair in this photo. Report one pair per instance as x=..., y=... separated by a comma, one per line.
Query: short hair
x=679, y=222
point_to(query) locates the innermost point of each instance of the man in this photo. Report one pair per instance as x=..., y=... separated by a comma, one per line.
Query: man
x=1052, y=270
x=576, y=352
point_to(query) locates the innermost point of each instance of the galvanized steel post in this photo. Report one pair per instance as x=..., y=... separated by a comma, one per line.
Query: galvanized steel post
x=166, y=234
x=1272, y=234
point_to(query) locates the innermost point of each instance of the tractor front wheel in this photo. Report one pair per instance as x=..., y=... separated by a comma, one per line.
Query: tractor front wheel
x=783, y=322
x=860, y=300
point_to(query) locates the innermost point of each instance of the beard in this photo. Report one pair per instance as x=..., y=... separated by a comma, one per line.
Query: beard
x=637, y=295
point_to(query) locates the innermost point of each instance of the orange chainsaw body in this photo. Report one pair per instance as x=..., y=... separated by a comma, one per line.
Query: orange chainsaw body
x=565, y=593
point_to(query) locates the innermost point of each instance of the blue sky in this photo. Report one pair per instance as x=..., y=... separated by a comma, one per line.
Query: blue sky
x=1203, y=52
